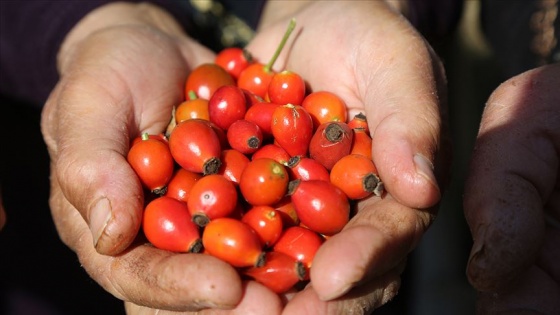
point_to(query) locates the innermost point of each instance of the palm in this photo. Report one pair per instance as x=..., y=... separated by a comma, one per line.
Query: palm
x=118, y=84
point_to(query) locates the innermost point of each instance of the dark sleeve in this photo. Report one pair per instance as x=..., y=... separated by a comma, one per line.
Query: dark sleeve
x=522, y=34
x=435, y=18
x=31, y=33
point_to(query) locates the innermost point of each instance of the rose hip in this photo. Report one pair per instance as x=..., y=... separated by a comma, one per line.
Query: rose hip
x=244, y=136
x=357, y=176
x=227, y=105
x=234, y=242
x=195, y=146
x=292, y=129
x=330, y=142
x=320, y=205
x=211, y=197
x=280, y=272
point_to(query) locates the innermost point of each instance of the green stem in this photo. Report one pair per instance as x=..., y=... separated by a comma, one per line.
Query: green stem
x=289, y=30
x=192, y=95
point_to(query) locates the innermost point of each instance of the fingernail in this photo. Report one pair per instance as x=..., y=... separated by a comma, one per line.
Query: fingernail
x=425, y=168
x=99, y=216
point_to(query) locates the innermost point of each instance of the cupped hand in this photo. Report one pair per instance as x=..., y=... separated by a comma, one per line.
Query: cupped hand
x=122, y=69
x=512, y=197
x=373, y=59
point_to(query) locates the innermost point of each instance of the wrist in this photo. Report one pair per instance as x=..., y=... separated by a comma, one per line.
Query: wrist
x=114, y=15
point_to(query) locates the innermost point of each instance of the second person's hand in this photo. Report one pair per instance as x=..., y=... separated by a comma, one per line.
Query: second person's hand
x=512, y=197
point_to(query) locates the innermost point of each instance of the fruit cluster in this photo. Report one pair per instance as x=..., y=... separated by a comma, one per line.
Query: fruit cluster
x=254, y=169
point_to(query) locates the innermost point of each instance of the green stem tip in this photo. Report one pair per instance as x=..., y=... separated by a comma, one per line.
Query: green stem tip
x=289, y=30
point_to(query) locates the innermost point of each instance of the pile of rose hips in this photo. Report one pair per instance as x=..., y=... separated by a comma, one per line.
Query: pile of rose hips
x=254, y=170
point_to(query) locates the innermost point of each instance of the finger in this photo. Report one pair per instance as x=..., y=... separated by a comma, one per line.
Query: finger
x=404, y=105
x=537, y=290
x=535, y=293
x=145, y=275
x=360, y=300
x=89, y=121
x=512, y=175
x=375, y=241
x=256, y=300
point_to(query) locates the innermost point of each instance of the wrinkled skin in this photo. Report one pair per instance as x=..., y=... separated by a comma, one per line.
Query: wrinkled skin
x=512, y=197
x=119, y=82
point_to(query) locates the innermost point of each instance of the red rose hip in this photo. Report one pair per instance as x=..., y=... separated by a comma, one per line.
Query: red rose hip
x=320, y=205
x=195, y=146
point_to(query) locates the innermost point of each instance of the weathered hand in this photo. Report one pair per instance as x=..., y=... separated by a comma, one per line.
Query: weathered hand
x=122, y=69
x=512, y=197
x=372, y=58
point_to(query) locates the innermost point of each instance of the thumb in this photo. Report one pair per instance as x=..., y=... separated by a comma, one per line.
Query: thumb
x=113, y=89
x=87, y=151
x=87, y=127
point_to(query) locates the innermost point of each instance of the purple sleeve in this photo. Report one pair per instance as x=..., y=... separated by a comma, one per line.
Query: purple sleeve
x=31, y=32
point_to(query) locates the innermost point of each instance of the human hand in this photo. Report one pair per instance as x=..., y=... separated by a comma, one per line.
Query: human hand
x=512, y=197
x=374, y=60
x=122, y=69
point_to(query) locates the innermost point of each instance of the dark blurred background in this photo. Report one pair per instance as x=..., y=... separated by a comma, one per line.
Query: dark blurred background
x=39, y=275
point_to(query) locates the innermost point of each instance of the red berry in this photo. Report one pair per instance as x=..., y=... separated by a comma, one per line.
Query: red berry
x=152, y=161
x=205, y=79
x=324, y=106
x=167, y=225
x=195, y=146
x=305, y=168
x=244, y=136
x=233, y=164
x=234, y=242
x=261, y=114
x=279, y=273
x=286, y=87
x=233, y=60
x=181, y=184
x=292, y=129
x=320, y=205
x=266, y=221
x=211, y=197
x=300, y=243
x=356, y=175
x=227, y=105
x=330, y=142
x=264, y=182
